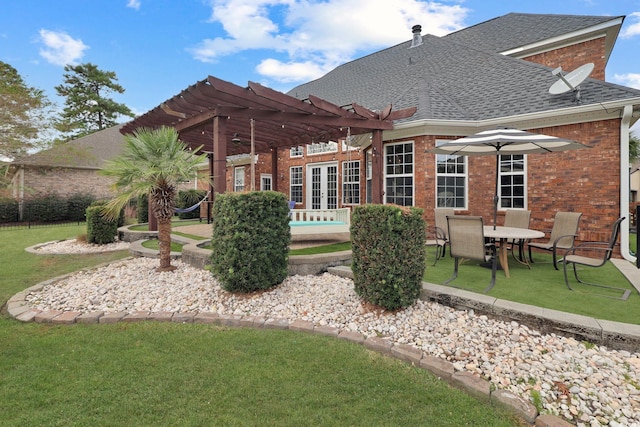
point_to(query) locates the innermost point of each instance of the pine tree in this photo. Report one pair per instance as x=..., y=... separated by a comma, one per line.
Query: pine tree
x=87, y=106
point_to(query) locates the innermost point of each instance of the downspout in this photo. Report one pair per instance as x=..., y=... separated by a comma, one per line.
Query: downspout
x=624, y=182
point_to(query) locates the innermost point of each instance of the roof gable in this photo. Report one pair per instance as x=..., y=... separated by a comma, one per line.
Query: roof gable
x=88, y=152
x=516, y=30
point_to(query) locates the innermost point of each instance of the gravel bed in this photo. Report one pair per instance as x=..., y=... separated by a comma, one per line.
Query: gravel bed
x=587, y=384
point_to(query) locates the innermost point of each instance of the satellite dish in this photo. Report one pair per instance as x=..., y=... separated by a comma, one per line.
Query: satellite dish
x=570, y=81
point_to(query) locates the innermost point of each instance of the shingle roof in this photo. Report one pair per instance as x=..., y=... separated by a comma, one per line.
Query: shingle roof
x=88, y=152
x=520, y=29
x=451, y=81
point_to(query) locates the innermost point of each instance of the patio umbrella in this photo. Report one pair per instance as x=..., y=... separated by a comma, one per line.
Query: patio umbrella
x=504, y=141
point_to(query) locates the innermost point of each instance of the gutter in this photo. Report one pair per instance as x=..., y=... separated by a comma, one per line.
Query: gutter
x=627, y=113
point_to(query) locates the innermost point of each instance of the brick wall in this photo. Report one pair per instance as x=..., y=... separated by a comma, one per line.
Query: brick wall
x=571, y=57
x=64, y=182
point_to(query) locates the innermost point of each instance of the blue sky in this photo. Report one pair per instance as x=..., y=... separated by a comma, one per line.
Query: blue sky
x=159, y=47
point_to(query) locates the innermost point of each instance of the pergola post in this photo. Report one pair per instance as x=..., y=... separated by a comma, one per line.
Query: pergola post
x=219, y=156
x=274, y=168
x=377, y=172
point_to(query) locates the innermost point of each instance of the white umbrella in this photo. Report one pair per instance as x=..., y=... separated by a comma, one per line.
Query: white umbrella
x=496, y=142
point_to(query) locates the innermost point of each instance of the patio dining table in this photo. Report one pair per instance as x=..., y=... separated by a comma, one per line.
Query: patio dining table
x=504, y=234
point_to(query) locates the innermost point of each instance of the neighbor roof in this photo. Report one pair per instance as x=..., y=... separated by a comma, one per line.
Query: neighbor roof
x=451, y=81
x=88, y=152
x=516, y=30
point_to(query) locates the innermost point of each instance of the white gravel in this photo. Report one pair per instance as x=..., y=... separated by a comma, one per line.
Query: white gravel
x=589, y=385
x=72, y=246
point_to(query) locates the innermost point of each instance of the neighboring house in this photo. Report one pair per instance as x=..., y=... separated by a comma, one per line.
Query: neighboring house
x=69, y=168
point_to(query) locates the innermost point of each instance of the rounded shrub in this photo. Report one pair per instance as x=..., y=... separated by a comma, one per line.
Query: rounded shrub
x=388, y=248
x=100, y=230
x=250, y=243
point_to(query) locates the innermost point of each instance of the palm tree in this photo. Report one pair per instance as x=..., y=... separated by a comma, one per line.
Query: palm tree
x=151, y=163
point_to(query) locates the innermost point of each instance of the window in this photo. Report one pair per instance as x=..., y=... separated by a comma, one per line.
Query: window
x=512, y=182
x=238, y=179
x=399, y=173
x=351, y=182
x=265, y=182
x=296, y=151
x=295, y=184
x=451, y=179
x=322, y=147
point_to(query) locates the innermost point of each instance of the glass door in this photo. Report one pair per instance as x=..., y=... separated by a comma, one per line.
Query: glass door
x=323, y=186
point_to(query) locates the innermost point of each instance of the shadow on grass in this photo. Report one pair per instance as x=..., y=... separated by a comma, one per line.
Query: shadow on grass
x=544, y=286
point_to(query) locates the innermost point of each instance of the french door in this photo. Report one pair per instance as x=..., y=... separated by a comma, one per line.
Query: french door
x=322, y=190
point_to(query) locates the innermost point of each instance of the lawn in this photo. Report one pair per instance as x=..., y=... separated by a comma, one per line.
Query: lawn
x=154, y=373
x=543, y=286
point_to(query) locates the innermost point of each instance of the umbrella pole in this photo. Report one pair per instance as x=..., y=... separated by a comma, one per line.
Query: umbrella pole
x=495, y=197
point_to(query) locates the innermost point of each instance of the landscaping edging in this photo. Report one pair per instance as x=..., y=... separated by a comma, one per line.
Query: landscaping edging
x=195, y=256
x=615, y=335
x=444, y=370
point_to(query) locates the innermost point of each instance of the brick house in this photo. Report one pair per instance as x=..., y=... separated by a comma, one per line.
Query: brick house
x=67, y=169
x=495, y=73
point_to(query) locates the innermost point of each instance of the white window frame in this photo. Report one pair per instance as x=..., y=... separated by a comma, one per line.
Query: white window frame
x=296, y=151
x=510, y=173
x=297, y=183
x=263, y=178
x=317, y=148
x=369, y=175
x=351, y=182
x=403, y=165
x=238, y=179
x=465, y=175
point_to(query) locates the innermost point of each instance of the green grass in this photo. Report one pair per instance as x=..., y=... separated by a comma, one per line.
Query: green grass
x=543, y=286
x=152, y=373
x=323, y=249
x=154, y=244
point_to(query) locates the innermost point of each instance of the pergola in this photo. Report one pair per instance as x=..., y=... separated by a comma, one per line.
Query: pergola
x=212, y=115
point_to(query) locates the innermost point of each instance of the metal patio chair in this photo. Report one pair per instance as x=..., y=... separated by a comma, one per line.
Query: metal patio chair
x=466, y=240
x=518, y=218
x=563, y=235
x=594, y=254
x=438, y=235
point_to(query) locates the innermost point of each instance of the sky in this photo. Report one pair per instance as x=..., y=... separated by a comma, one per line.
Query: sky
x=157, y=48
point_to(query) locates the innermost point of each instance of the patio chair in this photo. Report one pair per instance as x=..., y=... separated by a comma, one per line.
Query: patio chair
x=518, y=218
x=466, y=240
x=594, y=254
x=563, y=235
x=438, y=235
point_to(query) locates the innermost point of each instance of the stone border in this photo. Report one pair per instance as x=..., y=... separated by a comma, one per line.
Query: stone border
x=614, y=335
x=466, y=381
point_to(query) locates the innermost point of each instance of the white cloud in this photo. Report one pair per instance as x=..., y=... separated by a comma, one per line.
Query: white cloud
x=629, y=79
x=317, y=35
x=632, y=27
x=60, y=48
x=134, y=4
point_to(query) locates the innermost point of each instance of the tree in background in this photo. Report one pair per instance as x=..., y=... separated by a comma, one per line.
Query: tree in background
x=24, y=115
x=87, y=107
x=151, y=163
x=634, y=147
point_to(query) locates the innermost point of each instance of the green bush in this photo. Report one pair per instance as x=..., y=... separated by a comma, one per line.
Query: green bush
x=9, y=210
x=388, y=254
x=188, y=198
x=251, y=238
x=47, y=208
x=77, y=205
x=143, y=209
x=100, y=230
